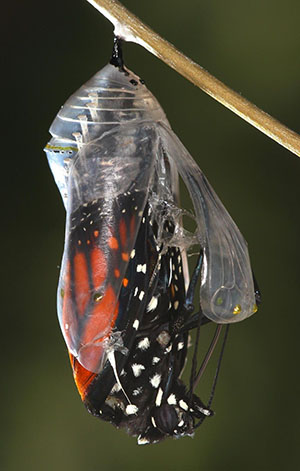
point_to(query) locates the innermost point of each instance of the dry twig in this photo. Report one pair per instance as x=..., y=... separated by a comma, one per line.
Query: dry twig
x=130, y=28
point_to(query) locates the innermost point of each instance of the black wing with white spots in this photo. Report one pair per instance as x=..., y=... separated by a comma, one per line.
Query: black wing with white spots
x=144, y=394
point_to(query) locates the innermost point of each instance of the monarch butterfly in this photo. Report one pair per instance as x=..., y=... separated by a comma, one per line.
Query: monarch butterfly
x=124, y=298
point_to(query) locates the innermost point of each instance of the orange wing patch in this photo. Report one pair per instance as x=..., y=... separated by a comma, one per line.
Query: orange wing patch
x=82, y=377
x=113, y=243
x=125, y=256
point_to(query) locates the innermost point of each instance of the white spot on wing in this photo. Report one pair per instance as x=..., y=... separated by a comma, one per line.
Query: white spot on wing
x=137, y=369
x=172, y=400
x=180, y=346
x=141, y=268
x=155, y=360
x=159, y=397
x=136, y=324
x=144, y=344
x=170, y=277
x=153, y=422
x=141, y=295
x=183, y=404
x=152, y=304
x=131, y=409
x=155, y=380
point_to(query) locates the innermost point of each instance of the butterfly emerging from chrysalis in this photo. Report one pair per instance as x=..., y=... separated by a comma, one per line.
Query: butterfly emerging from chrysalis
x=125, y=301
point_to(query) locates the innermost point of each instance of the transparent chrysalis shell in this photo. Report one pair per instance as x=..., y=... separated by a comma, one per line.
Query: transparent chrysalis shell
x=111, y=136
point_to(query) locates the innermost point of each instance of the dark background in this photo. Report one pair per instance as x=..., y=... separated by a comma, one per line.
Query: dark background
x=50, y=49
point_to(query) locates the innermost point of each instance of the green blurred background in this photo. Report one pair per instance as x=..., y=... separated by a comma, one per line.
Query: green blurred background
x=50, y=49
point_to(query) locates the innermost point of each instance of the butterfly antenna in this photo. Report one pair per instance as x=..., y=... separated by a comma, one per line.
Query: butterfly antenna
x=193, y=282
x=213, y=389
x=193, y=376
x=256, y=291
x=218, y=367
x=207, y=356
x=189, y=307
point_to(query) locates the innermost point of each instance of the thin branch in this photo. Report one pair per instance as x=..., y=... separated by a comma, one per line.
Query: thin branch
x=130, y=28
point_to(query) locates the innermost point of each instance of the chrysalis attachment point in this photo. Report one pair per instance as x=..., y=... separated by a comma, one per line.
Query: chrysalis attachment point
x=117, y=54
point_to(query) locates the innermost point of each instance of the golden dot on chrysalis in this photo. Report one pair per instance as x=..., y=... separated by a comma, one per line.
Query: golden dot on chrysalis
x=255, y=308
x=62, y=292
x=237, y=309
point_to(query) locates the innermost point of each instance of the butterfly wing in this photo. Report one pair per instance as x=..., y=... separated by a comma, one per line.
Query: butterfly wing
x=107, y=192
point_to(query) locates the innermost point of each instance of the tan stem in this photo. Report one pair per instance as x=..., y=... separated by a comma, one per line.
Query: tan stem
x=130, y=28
